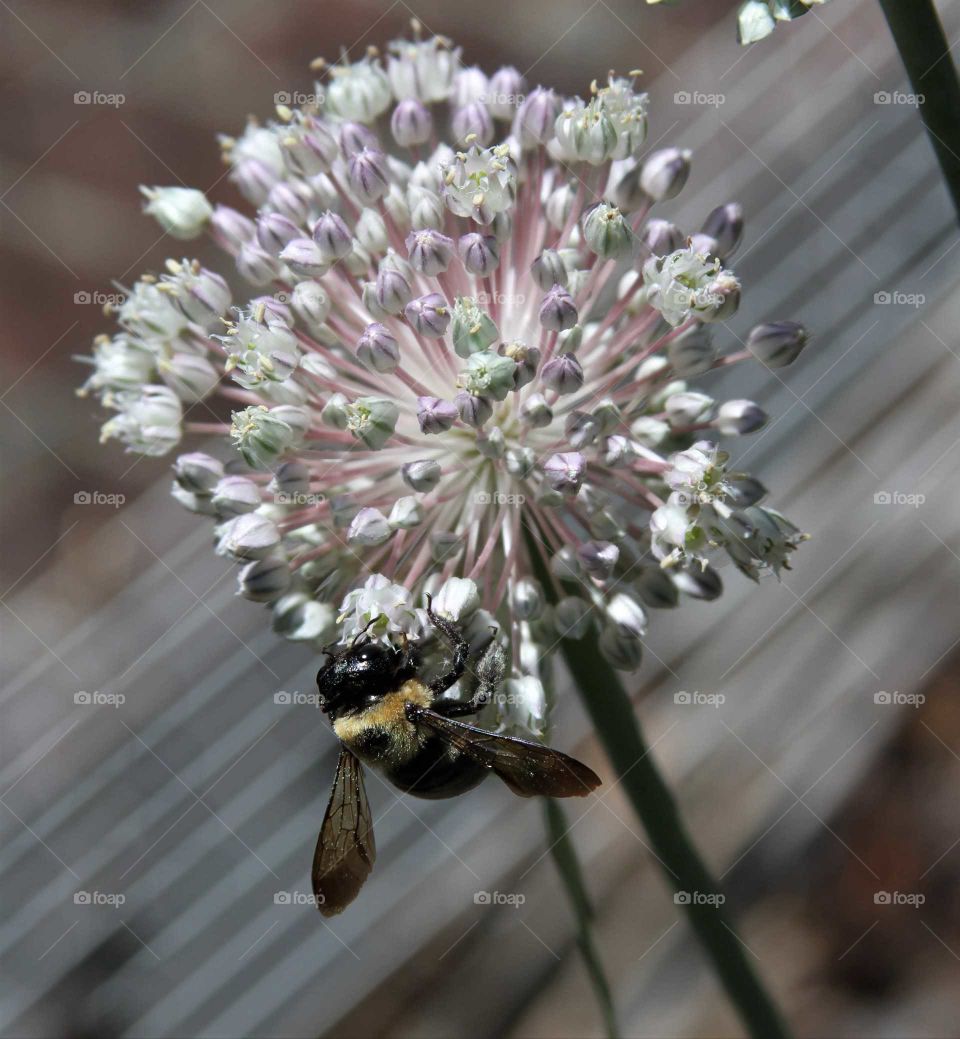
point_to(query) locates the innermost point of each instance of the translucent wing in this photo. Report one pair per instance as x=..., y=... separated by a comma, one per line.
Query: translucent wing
x=345, y=849
x=527, y=768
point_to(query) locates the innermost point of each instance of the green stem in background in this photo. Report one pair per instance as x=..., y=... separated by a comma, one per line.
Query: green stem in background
x=919, y=37
x=565, y=857
x=615, y=722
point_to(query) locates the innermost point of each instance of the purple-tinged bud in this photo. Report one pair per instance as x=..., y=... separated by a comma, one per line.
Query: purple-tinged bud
x=368, y=527
x=705, y=245
x=739, y=417
x=274, y=231
x=473, y=119
x=309, y=149
x=563, y=374
x=536, y=412
x=377, y=349
x=421, y=476
x=236, y=495
x=292, y=199
x=332, y=235
x=311, y=304
x=661, y=237
x=548, y=269
x=250, y=536
x=479, y=253
x=777, y=343
x=428, y=315
x=698, y=582
x=558, y=311
x=304, y=257
x=256, y=265
x=190, y=376
x=354, y=137
x=564, y=472
x=618, y=451
x=573, y=616
x=430, y=252
x=435, y=415
x=474, y=411
x=724, y=295
x=505, y=92
x=688, y=408
x=692, y=353
x=535, y=118
x=598, y=558
x=411, y=123
x=291, y=483
x=368, y=175
x=254, y=179
x=665, y=172
x=231, y=229
x=393, y=290
x=199, y=473
x=581, y=429
x=725, y=226
x=626, y=190
x=469, y=86
x=371, y=231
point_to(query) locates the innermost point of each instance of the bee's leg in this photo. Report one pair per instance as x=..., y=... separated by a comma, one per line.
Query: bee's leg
x=490, y=671
x=461, y=650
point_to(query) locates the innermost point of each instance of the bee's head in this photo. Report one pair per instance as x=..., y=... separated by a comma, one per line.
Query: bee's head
x=361, y=674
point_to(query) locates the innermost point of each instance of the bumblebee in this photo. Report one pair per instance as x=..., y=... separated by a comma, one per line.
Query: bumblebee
x=386, y=716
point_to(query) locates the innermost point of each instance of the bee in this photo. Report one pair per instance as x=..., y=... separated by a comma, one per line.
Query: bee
x=386, y=716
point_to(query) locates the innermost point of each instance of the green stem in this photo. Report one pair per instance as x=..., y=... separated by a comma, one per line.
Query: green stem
x=919, y=37
x=617, y=726
x=565, y=856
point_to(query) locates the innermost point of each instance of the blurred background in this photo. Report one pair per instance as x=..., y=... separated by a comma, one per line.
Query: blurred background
x=822, y=790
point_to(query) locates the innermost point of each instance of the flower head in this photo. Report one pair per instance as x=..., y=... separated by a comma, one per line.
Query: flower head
x=461, y=372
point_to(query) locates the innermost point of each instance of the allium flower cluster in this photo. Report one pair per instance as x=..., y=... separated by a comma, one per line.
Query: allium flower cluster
x=463, y=368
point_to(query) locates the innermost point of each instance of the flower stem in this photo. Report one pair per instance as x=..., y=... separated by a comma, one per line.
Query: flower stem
x=616, y=723
x=565, y=856
x=925, y=53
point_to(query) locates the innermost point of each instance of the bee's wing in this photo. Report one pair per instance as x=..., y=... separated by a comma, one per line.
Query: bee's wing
x=345, y=849
x=527, y=768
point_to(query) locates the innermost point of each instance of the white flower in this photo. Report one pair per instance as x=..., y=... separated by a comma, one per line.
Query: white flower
x=439, y=381
x=181, y=212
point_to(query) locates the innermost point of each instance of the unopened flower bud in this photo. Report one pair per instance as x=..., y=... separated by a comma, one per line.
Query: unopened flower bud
x=473, y=121
x=739, y=417
x=198, y=472
x=607, y=232
x=473, y=410
x=189, y=376
x=527, y=599
x=548, y=270
x=332, y=236
x=688, y=408
x=236, y=495
x=743, y=490
x=430, y=252
x=535, y=411
x=665, y=172
x=520, y=461
x=725, y=226
x=558, y=311
x=305, y=258
x=581, y=429
x=421, y=476
x=249, y=536
x=435, y=415
x=393, y=290
x=231, y=228
x=291, y=482
x=698, y=582
x=527, y=359
x=661, y=237
x=598, y=558
x=692, y=352
x=256, y=265
x=505, y=92
x=479, y=253
x=311, y=304
x=429, y=315
x=564, y=472
x=411, y=123
x=368, y=175
x=354, y=137
x=264, y=580
x=563, y=374
x=535, y=118
x=377, y=349
x=371, y=231
x=777, y=343
x=274, y=231
x=624, y=652
x=334, y=413
x=368, y=527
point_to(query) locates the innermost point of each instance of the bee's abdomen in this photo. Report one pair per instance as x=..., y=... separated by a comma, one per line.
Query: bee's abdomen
x=436, y=771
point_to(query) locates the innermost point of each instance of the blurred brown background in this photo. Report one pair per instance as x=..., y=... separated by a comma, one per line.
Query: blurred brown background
x=199, y=799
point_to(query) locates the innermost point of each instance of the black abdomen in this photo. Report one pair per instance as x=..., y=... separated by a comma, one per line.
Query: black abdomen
x=436, y=771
